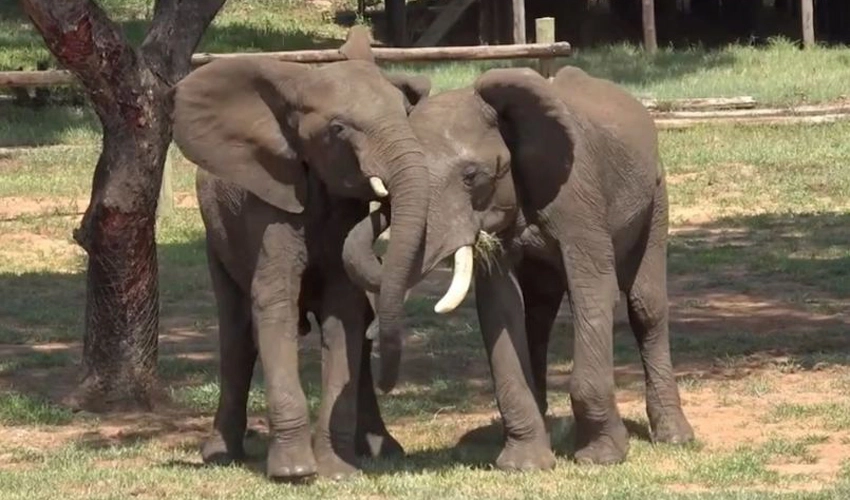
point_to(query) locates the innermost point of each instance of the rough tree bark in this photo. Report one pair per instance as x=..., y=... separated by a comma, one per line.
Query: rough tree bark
x=129, y=90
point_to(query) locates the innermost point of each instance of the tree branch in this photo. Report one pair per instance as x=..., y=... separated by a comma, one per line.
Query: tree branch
x=90, y=45
x=174, y=35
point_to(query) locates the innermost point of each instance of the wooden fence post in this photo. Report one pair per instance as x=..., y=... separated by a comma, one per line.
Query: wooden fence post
x=807, y=14
x=650, y=40
x=165, y=204
x=519, y=21
x=545, y=33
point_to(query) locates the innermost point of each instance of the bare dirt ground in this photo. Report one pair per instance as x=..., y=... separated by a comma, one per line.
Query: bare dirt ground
x=729, y=402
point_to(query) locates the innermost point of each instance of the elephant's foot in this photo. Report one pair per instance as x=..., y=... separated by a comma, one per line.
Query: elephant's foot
x=526, y=456
x=377, y=445
x=610, y=446
x=217, y=451
x=332, y=466
x=671, y=428
x=293, y=463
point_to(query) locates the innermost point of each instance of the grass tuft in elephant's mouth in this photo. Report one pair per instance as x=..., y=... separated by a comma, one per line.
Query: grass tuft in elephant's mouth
x=487, y=248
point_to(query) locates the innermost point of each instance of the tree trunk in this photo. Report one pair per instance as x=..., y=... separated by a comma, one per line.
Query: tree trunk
x=129, y=90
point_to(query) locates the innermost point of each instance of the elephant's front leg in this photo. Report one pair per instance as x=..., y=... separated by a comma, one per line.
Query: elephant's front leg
x=502, y=320
x=343, y=318
x=274, y=295
x=601, y=436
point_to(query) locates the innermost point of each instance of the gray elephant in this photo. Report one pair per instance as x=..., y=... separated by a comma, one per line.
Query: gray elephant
x=289, y=159
x=566, y=175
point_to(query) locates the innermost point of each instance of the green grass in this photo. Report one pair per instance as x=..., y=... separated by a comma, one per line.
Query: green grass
x=21, y=409
x=102, y=472
x=756, y=211
x=835, y=416
x=779, y=73
x=35, y=359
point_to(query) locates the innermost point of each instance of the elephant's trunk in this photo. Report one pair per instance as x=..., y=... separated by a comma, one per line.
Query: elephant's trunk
x=358, y=256
x=408, y=192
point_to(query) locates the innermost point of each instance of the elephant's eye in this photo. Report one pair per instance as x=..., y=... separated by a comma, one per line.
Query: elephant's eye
x=336, y=128
x=470, y=174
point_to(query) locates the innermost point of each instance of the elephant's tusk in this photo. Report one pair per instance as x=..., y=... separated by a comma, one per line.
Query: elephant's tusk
x=378, y=187
x=461, y=279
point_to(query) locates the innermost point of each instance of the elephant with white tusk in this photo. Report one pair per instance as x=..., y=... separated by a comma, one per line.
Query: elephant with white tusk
x=565, y=176
x=290, y=158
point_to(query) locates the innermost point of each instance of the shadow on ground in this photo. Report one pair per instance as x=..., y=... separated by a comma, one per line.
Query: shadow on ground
x=746, y=292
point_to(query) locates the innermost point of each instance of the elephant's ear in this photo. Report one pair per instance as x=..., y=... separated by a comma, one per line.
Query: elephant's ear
x=522, y=96
x=537, y=126
x=414, y=87
x=228, y=121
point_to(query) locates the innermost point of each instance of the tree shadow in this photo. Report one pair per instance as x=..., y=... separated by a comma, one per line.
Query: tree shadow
x=752, y=289
x=745, y=291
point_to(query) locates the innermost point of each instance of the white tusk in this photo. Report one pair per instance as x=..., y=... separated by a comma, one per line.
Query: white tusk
x=461, y=279
x=378, y=187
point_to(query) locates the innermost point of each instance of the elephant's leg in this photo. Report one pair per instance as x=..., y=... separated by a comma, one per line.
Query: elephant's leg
x=275, y=290
x=344, y=323
x=648, y=316
x=373, y=438
x=601, y=436
x=237, y=355
x=502, y=320
x=542, y=296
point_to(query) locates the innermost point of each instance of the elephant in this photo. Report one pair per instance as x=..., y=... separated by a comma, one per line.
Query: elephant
x=565, y=176
x=289, y=158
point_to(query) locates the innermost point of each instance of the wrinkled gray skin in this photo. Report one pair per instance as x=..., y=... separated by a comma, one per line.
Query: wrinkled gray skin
x=285, y=152
x=567, y=175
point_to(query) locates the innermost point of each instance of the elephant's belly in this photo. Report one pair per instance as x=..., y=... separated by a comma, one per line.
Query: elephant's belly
x=535, y=244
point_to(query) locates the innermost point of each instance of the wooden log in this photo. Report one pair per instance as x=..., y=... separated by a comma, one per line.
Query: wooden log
x=47, y=78
x=705, y=103
x=650, y=39
x=486, y=22
x=545, y=33
x=382, y=54
x=667, y=124
x=396, y=13
x=518, y=7
x=757, y=113
x=807, y=11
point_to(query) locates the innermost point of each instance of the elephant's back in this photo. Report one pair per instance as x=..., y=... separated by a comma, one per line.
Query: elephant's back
x=611, y=110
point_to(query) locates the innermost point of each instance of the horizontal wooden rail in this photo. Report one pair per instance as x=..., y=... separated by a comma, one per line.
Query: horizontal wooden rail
x=418, y=54
x=47, y=78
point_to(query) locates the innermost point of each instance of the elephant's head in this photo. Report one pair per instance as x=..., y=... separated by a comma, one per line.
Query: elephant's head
x=494, y=151
x=266, y=125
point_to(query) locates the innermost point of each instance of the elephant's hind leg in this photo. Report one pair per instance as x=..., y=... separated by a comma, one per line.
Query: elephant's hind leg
x=344, y=324
x=542, y=295
x=237, y=355
x=373, y=439
x=648, y=316
x=601, y=436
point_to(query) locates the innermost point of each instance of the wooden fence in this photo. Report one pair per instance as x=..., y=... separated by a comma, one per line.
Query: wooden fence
x=545, y=53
